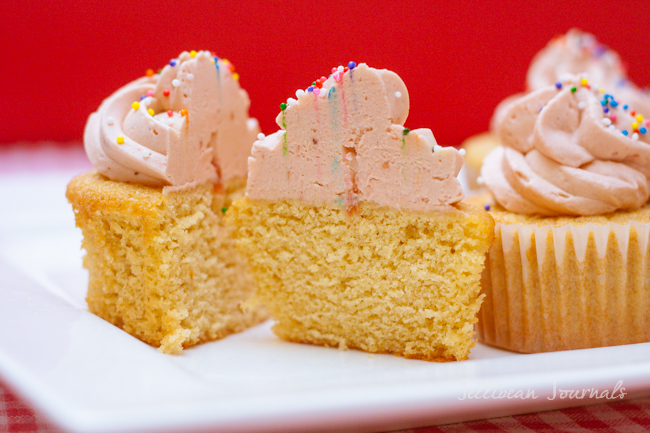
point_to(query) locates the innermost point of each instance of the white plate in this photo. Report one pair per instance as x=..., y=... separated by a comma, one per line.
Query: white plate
x=89, y=376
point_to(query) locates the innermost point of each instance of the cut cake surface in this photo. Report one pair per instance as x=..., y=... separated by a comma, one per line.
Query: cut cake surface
x=161, y=267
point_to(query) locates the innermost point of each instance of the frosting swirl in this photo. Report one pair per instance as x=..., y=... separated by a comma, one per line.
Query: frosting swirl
x=186, y=125
x=564, y=151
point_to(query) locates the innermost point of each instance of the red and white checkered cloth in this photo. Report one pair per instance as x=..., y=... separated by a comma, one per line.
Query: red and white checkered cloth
x=623, y=417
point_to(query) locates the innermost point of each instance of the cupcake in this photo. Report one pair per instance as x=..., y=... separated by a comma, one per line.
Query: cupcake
x=170, y=153
x=576, y=52
x=354, y=228
x=569, y=267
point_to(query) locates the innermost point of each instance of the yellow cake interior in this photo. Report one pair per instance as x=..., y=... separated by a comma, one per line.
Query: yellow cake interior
x=379, y=279
x=163, y=267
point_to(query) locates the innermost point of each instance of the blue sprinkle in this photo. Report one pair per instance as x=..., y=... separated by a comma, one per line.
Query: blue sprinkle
x=142, y=97
x=613, y=103
x=558, y=85
x=603, y=102
x=487, y=207
x=352, y=65
x=625, y=107
x=624, y=132
x=606, y=110
x=172, y=63
x=216, y=59
x=310, y=88
x=607, y=96
x=642, y=130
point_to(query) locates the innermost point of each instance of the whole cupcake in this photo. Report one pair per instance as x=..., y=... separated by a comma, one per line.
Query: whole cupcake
x=569, y=182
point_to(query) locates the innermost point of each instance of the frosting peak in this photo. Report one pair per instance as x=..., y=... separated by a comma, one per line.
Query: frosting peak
x=174, y=128
x=578, y=52
x=568, y=149
x=343, y=141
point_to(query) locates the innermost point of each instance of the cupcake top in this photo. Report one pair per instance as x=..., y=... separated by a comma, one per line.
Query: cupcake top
x=343, y=141
x=570, y=149
x=183, y=126
x=579, y=52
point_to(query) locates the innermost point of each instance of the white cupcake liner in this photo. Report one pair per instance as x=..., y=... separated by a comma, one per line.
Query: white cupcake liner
x=566, y=288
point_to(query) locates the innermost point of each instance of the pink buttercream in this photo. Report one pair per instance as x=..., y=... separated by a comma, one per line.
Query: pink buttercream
x=578, y=52
x=558, y=155
x=179, y=151
x=348, y=144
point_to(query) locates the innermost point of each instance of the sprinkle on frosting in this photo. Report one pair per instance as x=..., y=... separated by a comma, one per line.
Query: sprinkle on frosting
x=120, y=140
x=149, y=73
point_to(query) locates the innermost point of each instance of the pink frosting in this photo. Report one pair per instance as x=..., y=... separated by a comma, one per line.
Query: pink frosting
x=578, y=52
x=560, y=153
x=212, y=137
x=345, y=143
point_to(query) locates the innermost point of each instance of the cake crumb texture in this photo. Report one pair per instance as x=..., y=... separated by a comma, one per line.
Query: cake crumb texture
x=380, y=280
x=161, y=267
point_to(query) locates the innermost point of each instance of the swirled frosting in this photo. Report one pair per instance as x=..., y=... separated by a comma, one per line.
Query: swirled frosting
x=343, y=141
x=578, y=52
x=182, y=127
x=568, y=149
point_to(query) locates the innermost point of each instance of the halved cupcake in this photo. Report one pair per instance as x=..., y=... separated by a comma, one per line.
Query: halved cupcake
x=170, y=152
x=353, y=227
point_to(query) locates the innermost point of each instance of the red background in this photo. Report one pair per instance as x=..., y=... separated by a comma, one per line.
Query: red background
x=458, y=59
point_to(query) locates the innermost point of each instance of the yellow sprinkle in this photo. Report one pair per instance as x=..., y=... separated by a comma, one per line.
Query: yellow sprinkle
x=635, y=125
x=135, y=105
x=639, y=118
x=602, y=90
x=192, y=54
x=151, y=111
x=183, y=112
x=235, y=76
x=120, y=140
x=212, y=60
x=226, y=61
x=584, y=82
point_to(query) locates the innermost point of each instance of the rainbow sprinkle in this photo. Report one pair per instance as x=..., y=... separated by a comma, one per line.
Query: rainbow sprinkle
x=285, y=149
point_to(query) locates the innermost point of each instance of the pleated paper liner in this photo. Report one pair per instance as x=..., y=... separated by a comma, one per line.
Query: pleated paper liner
x=564, y=288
